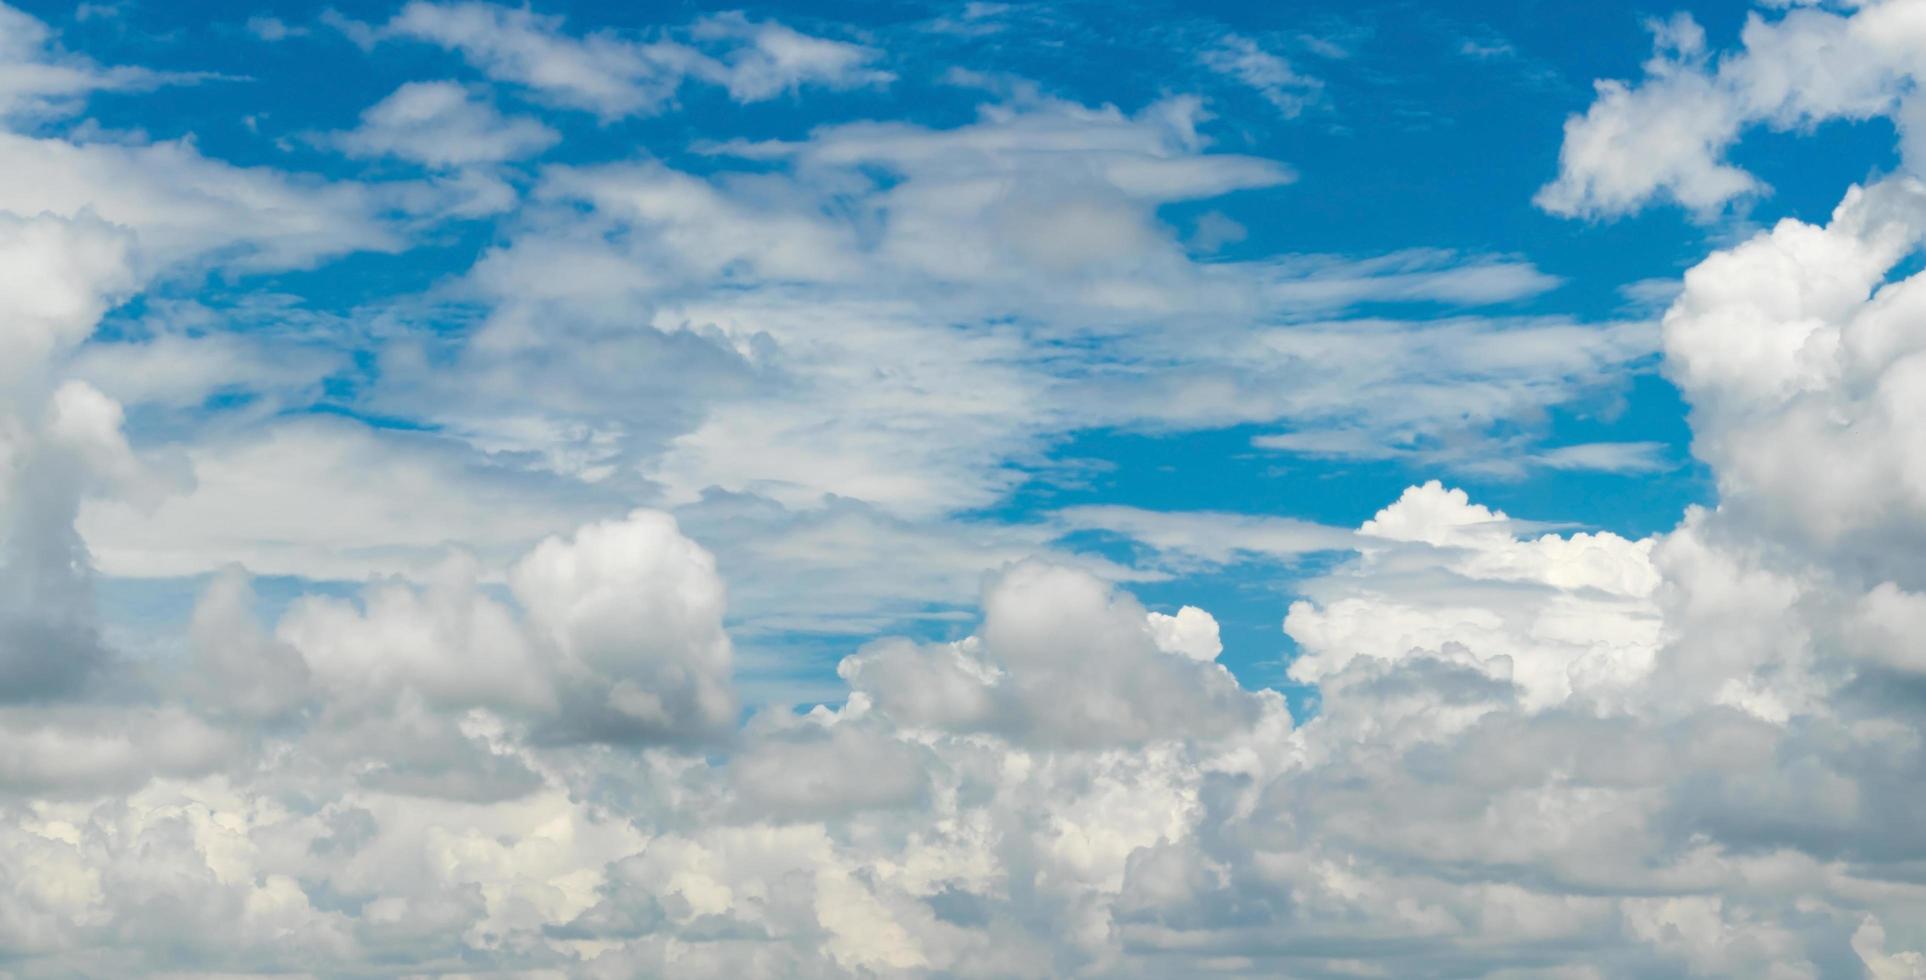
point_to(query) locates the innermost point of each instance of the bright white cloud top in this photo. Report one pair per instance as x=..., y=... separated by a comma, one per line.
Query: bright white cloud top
x=469, y=622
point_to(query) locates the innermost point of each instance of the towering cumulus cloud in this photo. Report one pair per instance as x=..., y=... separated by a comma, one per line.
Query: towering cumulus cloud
x=465, y=666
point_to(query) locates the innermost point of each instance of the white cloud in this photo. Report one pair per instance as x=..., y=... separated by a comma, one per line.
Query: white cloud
x=1792, y=350
x=447, y=643
x=241, y=669
x=363, y=490
x=598, y=73
x=59, y=277
x=1213, y=537
x=181, y=369
x=1606, y=457
x=640, y=607
x=767, y=59
x=618, y=638
x=614, y=76
x=977, y=18
x=824, y=332
x=1192, y=632
x=1061, y=659
x=38, y=81
x=1075, y=783
x=1411, y=276
x=1426, y=390
x=852, y=359
x=1241, y=58
x=1558, y=617
x=179, y=204
x=1550, y=754
x=1503, y=736
x=440, y=124
x=865, y=569
x=174, y=201
x=273, y=28
x=1667, y=136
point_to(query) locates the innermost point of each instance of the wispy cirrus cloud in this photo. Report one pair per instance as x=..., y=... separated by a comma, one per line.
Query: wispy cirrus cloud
x=1268, y=74
x=613, y=75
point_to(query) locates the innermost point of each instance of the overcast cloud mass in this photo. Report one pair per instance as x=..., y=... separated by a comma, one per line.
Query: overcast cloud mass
x=1125, y=490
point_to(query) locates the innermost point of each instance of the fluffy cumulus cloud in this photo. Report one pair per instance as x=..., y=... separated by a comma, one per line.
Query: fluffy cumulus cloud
x=1667, y=136
x=467, y=696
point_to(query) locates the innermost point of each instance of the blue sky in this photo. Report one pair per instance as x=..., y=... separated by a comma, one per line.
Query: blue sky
x=962, y=489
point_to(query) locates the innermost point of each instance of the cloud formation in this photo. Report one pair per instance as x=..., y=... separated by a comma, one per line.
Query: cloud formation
x=614, y=76
x=1667, y=136
x=439, y=124
x=519, y=746
x=1271, y=76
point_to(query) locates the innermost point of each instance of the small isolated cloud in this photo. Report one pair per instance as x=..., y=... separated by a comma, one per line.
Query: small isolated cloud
x=442, y=124
x=85, y=12
x=1486, y=48
x=1653, y=294
x=1240, y=58
x=1214, y=230
x=274, y=28
x=1606, y=457
x=976, y=18
x=1414, y=276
